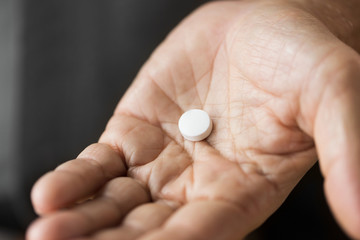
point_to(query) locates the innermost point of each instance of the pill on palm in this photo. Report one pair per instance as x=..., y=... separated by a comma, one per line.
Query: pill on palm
x=195, y=125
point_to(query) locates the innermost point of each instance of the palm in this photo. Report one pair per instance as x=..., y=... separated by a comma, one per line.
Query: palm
x=246, y=75
x=256, y=139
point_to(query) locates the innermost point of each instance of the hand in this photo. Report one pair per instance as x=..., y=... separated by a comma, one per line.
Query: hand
x=275, y=81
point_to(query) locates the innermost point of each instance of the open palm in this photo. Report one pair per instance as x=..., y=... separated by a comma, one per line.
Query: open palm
x=269, y=76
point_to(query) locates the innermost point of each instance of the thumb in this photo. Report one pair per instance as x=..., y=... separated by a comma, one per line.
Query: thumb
x=336, y=130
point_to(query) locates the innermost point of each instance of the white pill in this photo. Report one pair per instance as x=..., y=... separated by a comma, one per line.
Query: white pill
x=195, y=125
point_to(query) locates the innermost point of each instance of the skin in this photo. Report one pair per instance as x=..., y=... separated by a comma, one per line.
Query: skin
x=280, y=82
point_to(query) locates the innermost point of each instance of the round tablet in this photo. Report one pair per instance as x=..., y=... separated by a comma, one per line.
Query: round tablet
x=195, y=125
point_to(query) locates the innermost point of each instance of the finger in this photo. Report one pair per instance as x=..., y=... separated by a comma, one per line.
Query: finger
x=204, y=220
x=337, y=136
x=139, y=221
x=139, y=141
x=77, y=179
x=117, y=198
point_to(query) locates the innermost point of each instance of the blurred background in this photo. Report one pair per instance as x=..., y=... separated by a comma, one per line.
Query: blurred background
x=63, y=67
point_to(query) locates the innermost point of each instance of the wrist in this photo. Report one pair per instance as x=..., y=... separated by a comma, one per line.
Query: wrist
x=342, y=18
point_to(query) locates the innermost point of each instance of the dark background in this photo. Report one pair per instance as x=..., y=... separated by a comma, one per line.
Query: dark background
x=63, y=67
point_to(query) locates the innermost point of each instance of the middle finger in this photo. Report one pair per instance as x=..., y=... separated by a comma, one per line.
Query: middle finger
x=117, y=198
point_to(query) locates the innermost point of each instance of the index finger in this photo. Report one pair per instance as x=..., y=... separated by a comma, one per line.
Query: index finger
x=77, y=179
